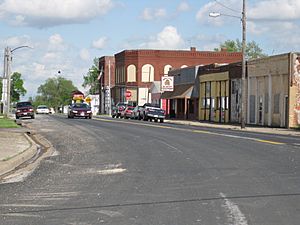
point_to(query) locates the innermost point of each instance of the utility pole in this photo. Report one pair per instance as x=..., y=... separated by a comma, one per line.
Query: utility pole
x=9, y=59
x=4, y=82
x=244, y=85
x=109, y=87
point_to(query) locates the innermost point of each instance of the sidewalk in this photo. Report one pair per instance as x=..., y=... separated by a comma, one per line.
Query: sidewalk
x=258, y=129
x=16, y=147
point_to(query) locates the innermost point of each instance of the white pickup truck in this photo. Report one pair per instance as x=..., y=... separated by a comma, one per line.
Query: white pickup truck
x=152, y=112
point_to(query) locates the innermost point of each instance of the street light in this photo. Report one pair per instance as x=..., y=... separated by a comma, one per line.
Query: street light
x=243, y=19
x=7, y=77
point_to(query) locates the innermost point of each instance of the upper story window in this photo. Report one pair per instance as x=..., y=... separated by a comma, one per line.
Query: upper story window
x=131, y=73
x=167, y=68
x=147, y=73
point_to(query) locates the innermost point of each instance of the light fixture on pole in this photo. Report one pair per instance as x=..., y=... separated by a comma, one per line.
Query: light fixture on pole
x=244, y=84
x=7, y=77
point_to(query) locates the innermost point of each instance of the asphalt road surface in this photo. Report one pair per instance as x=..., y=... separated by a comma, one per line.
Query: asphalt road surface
x=123, y=172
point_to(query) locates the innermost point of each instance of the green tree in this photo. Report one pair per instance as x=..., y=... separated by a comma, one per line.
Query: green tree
x=90, y=80
x=17, y=88
x=253, y=50
x=55, y=92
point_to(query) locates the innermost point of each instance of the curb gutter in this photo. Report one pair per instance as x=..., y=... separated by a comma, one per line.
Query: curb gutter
x=15, y=161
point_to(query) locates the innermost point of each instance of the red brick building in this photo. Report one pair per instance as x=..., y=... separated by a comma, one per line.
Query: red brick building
x=135, y=70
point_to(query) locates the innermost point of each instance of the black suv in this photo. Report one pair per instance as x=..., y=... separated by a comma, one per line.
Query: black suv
x=24, y=109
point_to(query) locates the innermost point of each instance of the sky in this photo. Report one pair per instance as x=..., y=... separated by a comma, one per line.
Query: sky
x=66, y=35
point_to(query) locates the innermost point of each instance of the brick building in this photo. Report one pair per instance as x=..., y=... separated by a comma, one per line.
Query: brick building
x=136, y=70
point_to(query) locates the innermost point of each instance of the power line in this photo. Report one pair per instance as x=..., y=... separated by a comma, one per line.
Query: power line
x=221, y=4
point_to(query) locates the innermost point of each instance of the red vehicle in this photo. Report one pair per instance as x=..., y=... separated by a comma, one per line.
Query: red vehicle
x=128, y=112
x=80, y=110
x=24, y=109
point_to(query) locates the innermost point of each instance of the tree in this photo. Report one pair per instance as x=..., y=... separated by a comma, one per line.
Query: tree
x=17, y=88
x=253, y=50
x=55, y=92
x=90, y=80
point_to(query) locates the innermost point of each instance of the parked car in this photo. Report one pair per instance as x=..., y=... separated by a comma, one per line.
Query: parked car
x=42, y=109
x=137, y=113
x=152, y=112
x=80, y=110
x=119, y=108
x=128, y=112
x=24, y=109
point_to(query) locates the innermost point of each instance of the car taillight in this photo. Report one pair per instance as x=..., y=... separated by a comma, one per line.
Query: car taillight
x=31, y=110
x=18, y=110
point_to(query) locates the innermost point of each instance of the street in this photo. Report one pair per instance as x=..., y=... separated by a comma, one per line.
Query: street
x=116, y=171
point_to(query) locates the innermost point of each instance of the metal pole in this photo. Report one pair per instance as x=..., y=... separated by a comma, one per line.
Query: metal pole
x=109, y=91
x=4, y=83
x=244, y=85
x=9, y=59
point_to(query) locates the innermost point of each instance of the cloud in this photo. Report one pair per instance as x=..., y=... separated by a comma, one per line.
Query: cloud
x=168, y=38
x=183, y=7
x=43, y=14
x=56, y=39
x=275, y=10
x=100, y=43
x=85, y=54
x=153, y=14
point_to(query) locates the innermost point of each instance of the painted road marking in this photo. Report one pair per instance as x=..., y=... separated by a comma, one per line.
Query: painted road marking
x=235, y=216
x=194, y=131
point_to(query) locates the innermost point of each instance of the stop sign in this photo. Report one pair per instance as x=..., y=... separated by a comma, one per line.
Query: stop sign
x=128, y=94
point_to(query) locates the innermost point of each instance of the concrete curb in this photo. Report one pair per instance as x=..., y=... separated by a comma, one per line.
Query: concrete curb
x=15, y=161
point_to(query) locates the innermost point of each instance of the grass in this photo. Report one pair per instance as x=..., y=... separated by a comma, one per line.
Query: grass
x=7, y=123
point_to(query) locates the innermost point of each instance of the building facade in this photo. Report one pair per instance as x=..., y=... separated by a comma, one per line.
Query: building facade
x=135, y=70
x=220, y=93
x=107, y=82
x=183, y=102
x=274, y=91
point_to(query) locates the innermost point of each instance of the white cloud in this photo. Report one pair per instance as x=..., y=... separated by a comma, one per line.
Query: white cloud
x=168, y=38
x=16, y=41
x=56, y=39
x=41, y=14
x=153, y=14
x=100, y=43
x=183, y=7
x=85, y=54
x=275, y=10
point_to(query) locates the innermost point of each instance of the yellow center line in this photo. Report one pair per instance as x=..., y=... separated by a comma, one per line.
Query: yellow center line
x=191, y=130
x=270, y=142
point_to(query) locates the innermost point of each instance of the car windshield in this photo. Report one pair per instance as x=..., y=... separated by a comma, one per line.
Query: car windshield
x=81, y=106
x=23, y=104
x=42, y=107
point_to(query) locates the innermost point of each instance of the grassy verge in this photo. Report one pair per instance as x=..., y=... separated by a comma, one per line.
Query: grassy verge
x=7, y=123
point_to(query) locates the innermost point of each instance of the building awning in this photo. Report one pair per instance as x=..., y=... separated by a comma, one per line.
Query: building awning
x=180, y=91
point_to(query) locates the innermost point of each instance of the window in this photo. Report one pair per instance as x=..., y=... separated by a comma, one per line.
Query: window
x=131, y=73
x=147, y=73
x=167, y=68
x=276, y=103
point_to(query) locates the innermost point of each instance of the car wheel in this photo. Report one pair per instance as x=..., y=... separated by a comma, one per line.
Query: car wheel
x=90, y=117
x=32, y=117
x=161, y=120
x=17, y=117
x=113, y=116
x=155, y=120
